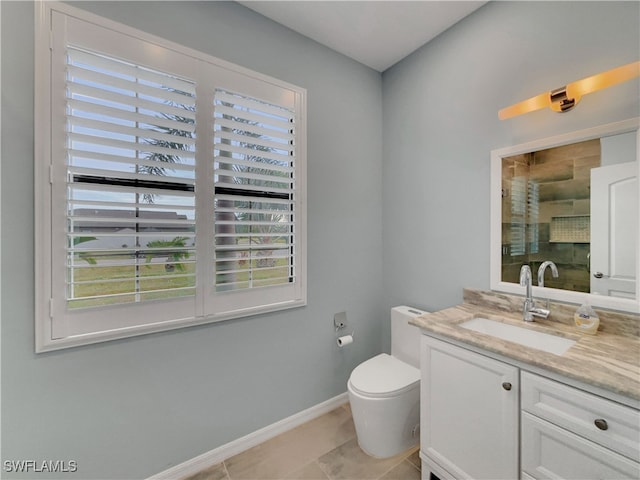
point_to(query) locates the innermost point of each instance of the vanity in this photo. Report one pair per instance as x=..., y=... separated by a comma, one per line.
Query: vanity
x=498, y=408
x=504, y=398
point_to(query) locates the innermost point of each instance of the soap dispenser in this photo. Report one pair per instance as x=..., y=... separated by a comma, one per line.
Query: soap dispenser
x=586, y=319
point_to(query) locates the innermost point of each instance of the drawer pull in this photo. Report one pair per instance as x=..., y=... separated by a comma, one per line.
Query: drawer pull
x=507, y=386
x=601, y=423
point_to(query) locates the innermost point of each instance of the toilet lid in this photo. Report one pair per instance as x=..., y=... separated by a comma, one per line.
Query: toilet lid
x=383, y=375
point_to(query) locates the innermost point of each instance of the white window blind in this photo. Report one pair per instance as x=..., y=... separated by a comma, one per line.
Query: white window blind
x=131, y=182
x=524, y=216
x=170, y=185
x=533, y=208
x=518, y=215
x=254, y=193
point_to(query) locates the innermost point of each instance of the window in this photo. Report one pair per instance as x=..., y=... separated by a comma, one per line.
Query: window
x=170, y=185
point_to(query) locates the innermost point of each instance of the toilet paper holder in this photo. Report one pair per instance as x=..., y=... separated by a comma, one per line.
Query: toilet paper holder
x=340, y=323
x=345, y=340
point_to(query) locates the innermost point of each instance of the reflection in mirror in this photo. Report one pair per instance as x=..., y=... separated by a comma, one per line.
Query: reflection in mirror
x=575, y=204
x=614, y=219
x=547, y=214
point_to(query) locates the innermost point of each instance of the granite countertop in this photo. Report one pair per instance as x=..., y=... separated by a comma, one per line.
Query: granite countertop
x=608, y=360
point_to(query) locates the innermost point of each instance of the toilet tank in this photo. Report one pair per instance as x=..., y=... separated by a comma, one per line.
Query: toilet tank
x=405, y=338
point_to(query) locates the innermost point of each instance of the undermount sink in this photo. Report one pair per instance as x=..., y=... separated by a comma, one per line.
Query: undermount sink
x=523, y=336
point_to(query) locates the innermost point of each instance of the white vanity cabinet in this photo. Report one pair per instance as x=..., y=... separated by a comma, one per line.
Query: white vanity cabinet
x=469, y=413
x=568, y=433
x=482, y=418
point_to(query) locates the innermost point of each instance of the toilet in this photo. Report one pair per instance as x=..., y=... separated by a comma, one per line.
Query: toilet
x=384, y=391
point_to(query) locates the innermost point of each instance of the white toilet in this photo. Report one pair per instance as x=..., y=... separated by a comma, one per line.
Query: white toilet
x=384, y=391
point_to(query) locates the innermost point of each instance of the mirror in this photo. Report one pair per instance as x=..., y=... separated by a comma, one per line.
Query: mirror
x=574, y=200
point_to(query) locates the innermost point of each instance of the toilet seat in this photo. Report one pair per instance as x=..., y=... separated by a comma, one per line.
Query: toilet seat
x=383, y=376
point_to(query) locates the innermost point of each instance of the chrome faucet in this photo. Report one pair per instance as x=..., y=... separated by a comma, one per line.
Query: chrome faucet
x=529, y=309
x=543, y=267
x=541, y=270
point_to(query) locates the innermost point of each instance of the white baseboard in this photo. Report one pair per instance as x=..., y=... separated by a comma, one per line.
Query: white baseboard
x=230, y=449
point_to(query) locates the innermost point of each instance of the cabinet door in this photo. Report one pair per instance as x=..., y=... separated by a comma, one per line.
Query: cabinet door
x=552, y=452
x=469, y=412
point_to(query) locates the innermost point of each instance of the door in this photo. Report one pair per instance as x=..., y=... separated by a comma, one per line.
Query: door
x=614, y=226
x=469, y=412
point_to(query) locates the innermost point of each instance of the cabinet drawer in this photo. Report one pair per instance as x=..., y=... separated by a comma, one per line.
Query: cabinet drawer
x=552, y=452
x=602, y=421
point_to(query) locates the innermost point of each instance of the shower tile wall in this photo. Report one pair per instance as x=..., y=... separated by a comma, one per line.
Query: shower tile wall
x=562, y=175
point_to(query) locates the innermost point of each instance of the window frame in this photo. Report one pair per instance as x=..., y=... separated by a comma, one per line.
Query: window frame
x=50, y=185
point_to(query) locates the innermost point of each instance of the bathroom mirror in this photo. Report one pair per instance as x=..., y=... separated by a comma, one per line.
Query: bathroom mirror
x=573, y=199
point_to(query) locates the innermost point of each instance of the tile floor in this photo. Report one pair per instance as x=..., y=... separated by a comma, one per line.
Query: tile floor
x=322, y=449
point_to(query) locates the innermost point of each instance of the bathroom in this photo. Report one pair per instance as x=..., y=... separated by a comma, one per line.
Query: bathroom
x=398, y=212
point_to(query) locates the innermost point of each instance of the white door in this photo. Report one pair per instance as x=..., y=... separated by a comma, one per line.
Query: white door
x=614, y=223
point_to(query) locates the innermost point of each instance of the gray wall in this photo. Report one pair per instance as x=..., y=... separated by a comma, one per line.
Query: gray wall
x=440, y=118
x=132, y=408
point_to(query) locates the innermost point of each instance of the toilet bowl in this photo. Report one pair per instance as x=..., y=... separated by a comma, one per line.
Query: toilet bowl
x=384, y=391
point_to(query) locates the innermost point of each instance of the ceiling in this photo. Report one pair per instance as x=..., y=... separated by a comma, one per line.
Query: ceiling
x=375, y=33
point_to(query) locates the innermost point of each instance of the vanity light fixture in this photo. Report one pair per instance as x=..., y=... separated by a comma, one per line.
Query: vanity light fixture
x=565, y=98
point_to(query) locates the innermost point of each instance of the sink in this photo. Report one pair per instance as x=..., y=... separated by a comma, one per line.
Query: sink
x=523, y=336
